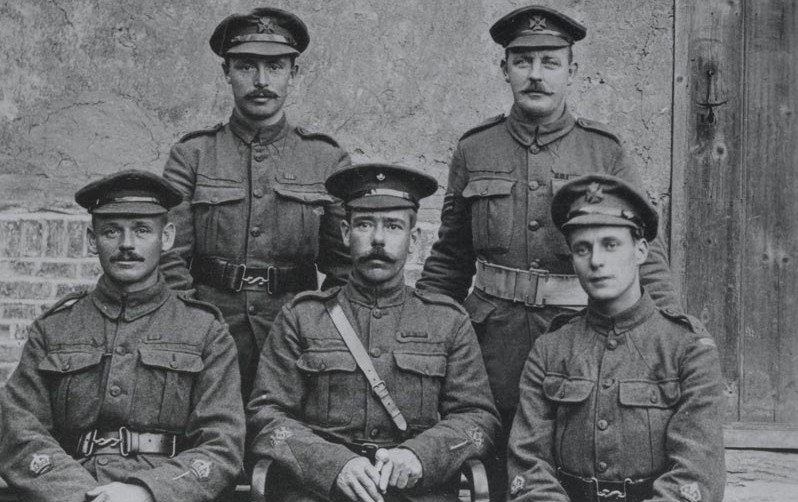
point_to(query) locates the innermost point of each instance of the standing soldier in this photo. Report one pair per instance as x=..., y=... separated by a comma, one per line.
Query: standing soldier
x=622, y=401
x=128, y=393
x=495, y=219
x=373, y=391
x=256, y=219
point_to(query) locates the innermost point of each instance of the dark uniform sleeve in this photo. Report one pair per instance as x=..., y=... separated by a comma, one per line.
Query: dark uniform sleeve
x=333, y=259
x=530, y=463
x=31, y=460
x=175, y=262
x=450, y=266
x=694, y=437
x=272, y=414
x=469, y=420
x=215, y=431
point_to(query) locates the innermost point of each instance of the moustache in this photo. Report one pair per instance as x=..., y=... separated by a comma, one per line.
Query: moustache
x=377, y=255
x=127, y=257
x=263, y=93
x=539, y=88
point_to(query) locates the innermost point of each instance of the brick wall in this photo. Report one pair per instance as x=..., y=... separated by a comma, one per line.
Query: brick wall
x=43, y=256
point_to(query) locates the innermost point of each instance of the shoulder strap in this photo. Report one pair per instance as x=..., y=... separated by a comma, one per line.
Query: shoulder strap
x=363, y=361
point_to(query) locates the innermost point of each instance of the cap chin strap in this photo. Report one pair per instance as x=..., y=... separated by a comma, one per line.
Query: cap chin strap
x=127, y=198
x=261, y=37
x=384, y=191
x=607, y=211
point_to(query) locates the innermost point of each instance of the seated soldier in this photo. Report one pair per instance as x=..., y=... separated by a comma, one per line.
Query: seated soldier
x=312, y=411
x=622, y=401
x=130, y=392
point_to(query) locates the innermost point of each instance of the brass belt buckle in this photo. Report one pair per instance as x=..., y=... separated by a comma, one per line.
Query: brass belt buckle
x=243, y=272
x=611, y=494
x=125, y=437
x=257, y=280
x=539, y=277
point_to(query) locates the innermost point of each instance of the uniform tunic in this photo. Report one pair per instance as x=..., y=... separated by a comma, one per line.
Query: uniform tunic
x=152, y=361
x=634, y=396
x=254, y=197
x=502, y=178
x=310, y=397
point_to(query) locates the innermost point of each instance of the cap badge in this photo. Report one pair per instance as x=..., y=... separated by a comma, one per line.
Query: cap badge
x=265, y=25
x=594, y=194
x=380, y=177
x=537, y=23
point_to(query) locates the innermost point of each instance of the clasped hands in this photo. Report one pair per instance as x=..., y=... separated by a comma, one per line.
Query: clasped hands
x=362, y=481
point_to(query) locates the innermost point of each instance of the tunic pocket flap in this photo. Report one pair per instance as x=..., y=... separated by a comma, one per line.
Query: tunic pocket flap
x=171, y=360
x=488, y=188
x=478, y=307
x=320, y=362
x=305, y=196
x=217, y=195
x=650, y=394
x=564, y=390
x=70, y=362
x=433, y=365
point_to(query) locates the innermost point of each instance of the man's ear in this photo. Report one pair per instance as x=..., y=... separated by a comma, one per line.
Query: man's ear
x=641, y=251
x=91, y=240
x=226, y=70
x=168, y=236
x=503, y=66
x=414, y=235
x=345, y=228
x=573, y=69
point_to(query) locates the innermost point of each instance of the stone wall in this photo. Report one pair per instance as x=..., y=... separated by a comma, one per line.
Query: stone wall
x=88, y=87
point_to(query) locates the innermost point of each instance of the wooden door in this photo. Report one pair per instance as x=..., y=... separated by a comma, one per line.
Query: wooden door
x=734, y=235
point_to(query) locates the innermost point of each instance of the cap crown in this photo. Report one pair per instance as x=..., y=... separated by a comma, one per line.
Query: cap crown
x=380, y=186
x=536, y=26
x=265, y=31
x=129, y=192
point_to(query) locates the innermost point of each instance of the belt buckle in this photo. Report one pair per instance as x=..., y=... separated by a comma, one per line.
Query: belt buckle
x=174, y=446
x=369, y=450
x=257, y=280
x=539, y=300
x=125, y=437
x=241, y=271
x=610, y=494
x=86, y=443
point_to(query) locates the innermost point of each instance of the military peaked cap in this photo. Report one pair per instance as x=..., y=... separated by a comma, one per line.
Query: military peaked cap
x=265, y=31
x=131, y=191
x=380, y=186
x=536, y=26
x=601, y=199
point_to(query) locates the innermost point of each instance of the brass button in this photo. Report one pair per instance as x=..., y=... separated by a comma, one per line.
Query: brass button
x=607, y=383
x=654, y=397
x=115, y=391
x=322, y=365
x=375, y=352
x=534, y=225
x=173, y=364
x=65, y=366
x=534, y=185
x=259, y=157
x=534, y=264
x=251, y=309
x=602, y=425
x=561, y=394
x=257, y=193
x=375, y=433
x=377, y=313
x=602, y=466
x=120, y=351
x=612, y=344
x=102, y=460
x=255, y=232
x=534, y=148
x=214, y=200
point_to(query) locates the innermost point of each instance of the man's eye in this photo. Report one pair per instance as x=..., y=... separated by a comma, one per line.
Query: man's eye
x=612, y=245
x=142, y=230
x=580, y=250
x=110, y=233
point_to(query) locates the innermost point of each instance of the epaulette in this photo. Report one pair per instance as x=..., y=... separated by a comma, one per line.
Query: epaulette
x=317, y=135
x=66, y=302
x=481, y=127
x=186, y=297
x=439, y=299
x=561, y=320
x=201, y=132
x=598, y=127
x=686, y=320
x=315, y=295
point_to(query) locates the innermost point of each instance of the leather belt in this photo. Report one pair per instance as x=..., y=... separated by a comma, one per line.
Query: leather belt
x=533, y=287
x=591, y=489
x=367, y=449
x=123, y=442
x=225, y=274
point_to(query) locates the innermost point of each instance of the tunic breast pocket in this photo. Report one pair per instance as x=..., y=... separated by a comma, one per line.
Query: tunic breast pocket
x=647, y=407
x=491, y=202
x=418, y=385
x=333, y=388
x=164, y=381
x=570, y=396
x=219, y=218
x=75, y=387
x=299, y=211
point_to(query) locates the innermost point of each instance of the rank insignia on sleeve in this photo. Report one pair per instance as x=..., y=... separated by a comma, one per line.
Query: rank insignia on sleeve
x=690, y=492
x=476, y=436
x=279, y=436
x=201, y=469
x=40, y=464
x=517, y=485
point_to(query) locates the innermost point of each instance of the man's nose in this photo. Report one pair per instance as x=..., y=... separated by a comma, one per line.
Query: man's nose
x=262, y=77
x=378, y=237
x=536, y=72
x=597, y=258
x=127, y=241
